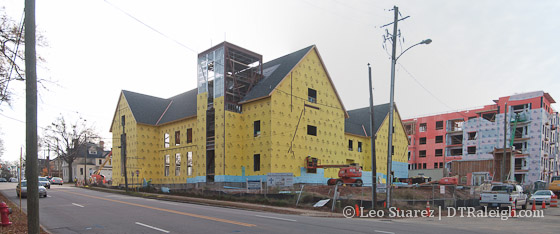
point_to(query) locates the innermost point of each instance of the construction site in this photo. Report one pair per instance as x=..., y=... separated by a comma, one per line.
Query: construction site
x=248, y=120
x=470, y=144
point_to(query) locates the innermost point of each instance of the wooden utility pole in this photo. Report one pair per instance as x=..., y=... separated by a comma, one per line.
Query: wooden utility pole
x=48, y=161
x=85, y=158
x=31, y=120
x=19, y=174
x=373, y=159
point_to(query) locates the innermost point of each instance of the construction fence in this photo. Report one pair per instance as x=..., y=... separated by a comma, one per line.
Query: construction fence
x=308, y=195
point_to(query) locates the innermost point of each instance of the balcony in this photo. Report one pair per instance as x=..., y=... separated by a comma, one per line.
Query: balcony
x=521, y=165
x=521, y=117
x=455, y=140
x=455, y=125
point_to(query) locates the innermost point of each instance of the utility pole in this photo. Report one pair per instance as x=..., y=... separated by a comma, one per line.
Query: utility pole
x=85, y=158
x=391, y=107
x=19, y=174
x=373, y=159
x=48, y=160
x=512, y=154
x=31, y=120
x=502, y=174
x=123, y=153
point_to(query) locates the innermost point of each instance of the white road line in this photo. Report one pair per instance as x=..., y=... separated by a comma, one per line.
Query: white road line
x=77, y=205
x=383, y=232
x=269, y=217
x=168, y=203
x=155, y=228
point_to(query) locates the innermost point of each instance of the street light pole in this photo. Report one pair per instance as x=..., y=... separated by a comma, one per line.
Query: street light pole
x=391, y=104
x=394, y=59
x=373, y=156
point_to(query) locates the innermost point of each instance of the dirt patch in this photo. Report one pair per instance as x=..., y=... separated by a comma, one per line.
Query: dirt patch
x=18, y=219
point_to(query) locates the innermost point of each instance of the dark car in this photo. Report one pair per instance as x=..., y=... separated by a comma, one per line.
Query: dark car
x=3, y=180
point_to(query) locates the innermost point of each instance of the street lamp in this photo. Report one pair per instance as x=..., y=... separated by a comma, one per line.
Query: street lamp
x=427, y=42
x=391, y=108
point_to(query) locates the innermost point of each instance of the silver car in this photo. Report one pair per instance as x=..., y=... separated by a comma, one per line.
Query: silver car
x=44, y=182
x=541, y=196
x=23, y=190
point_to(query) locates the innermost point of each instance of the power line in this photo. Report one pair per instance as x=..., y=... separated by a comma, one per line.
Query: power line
x=428, y=91
x=21, y=121
x=152, y=28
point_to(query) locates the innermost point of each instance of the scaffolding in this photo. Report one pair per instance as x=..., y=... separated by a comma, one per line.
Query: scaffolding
x=228, y=71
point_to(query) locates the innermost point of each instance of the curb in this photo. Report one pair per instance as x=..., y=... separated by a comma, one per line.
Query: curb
x=226, y=204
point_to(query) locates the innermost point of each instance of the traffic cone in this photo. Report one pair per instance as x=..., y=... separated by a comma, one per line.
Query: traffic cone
x=428, y=206
x=534, y=206
x=543, y=204
x=554, y=201
x=512, y=210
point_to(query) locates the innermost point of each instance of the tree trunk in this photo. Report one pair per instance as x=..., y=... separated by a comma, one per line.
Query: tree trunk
x=70, y=177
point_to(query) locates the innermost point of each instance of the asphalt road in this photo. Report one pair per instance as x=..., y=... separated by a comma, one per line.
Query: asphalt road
x=74, y=210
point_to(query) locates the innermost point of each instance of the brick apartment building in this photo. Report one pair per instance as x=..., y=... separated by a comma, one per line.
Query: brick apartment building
x=474, y=140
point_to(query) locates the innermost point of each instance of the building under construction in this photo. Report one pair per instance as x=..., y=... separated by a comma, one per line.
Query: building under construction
x=247, y=119
x=470, y=143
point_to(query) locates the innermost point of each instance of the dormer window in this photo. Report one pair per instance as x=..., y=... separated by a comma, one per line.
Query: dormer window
x=92, y=150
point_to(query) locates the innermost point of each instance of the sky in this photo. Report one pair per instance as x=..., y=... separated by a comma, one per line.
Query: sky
x=481, y=50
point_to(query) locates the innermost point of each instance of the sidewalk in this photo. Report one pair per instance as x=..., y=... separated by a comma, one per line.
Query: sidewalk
x=232, y=204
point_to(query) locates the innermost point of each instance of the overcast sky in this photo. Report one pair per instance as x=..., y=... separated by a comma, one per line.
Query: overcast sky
x=481, y=50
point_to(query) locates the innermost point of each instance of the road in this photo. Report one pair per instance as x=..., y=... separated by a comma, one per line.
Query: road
x=74, y=210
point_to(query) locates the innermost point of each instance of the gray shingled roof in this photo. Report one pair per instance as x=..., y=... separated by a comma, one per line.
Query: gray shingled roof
x=359, y=117
x=183, y=105
x=274, y=71
x=149, y=109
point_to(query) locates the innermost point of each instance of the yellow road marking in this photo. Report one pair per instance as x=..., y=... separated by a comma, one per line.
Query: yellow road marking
x=167, y=210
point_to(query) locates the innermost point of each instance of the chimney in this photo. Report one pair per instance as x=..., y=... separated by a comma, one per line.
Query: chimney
x=102, y=145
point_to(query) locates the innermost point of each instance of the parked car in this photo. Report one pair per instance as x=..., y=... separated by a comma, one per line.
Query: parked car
x=541, y=196
x=57, y=180
x=44, y=182
x=504, y=195
x=13, y=180
x=3, y=180
x=23, y=190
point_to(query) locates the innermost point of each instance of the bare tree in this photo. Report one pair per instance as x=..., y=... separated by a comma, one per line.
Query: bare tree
x=12, y=61
x=66, y=139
